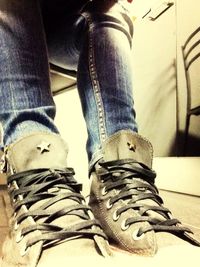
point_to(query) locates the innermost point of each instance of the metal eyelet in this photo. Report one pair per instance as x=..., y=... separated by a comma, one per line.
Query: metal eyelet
x=115, y=216
x=103, y=191
x=24, y=250
x=53, y=190
x=91, y=215
x=135, y=235
x=19, y=237
x=16, y=226
x=108, y=205
x=124, y=226
x=170, y=215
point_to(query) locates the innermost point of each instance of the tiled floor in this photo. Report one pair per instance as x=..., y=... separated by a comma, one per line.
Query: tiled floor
x=184, y=207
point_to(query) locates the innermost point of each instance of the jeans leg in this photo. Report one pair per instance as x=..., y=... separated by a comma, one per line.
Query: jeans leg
x=26, y=103
x=105, y=80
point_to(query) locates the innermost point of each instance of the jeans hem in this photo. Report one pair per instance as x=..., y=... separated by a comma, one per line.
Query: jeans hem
x=95, y=158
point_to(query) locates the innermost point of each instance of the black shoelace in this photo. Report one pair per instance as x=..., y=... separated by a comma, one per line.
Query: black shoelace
x=53, y=185
x=133, y=182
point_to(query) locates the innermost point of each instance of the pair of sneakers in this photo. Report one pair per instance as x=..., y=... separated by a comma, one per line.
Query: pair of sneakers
x=51, y=221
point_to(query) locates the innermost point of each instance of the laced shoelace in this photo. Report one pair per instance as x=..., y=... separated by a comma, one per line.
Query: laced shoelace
x=133, y=183
x=29, y=187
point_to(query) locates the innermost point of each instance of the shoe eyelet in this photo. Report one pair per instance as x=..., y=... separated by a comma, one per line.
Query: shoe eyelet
x=103, y=191
x=108, y=205
x=115, y=216
x=91, y=215
x=24, y=250
x=16, y=226
x=124, y=226
x=53, y=190
x=135, y=235
x=19, y=237
x=170, y=215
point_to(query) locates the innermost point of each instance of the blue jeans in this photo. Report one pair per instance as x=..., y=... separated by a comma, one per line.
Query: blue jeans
x=96, y=42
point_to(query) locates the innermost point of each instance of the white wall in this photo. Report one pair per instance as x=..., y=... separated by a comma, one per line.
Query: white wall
x=160, y=102
x=72, y=127
x=154, y=51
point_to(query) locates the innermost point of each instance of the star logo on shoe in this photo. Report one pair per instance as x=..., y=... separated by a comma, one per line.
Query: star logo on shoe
x=43, y=147
x=132, y=147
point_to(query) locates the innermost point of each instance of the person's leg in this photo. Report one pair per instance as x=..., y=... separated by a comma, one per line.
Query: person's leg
x=26, y=103
x=123, y=192
x=123, y=195
x=48, y=208
x=105, y=83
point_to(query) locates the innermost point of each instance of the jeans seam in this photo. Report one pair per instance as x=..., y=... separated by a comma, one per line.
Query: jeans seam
x=95, y=82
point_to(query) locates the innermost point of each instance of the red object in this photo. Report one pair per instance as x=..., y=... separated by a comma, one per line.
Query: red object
x=130, y=1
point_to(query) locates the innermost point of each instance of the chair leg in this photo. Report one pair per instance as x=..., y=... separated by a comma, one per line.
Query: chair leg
x=187, y=124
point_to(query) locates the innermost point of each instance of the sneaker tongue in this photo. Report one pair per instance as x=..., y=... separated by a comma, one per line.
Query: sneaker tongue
x=128, y=145
x=38, y=151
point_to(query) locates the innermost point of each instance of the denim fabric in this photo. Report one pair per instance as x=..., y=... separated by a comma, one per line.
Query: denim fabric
x=26, y=104
x=96, y=43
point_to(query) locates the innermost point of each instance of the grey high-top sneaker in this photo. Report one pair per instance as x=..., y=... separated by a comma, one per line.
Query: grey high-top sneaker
x=125, y=199
x=51, y=223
